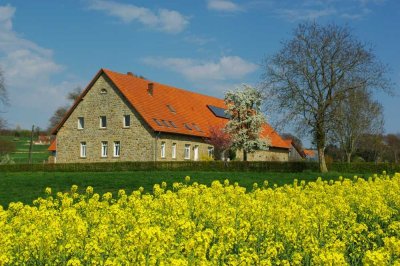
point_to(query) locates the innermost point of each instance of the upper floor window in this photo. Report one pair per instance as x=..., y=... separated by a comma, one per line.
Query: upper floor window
x=104, y=149
x=117, y=148
x=103, y=121
x=163, y=149
x=83, y=149
x=173, y=151
x=187, y=151
x=81, y=122
x=127, y=120
x=103, y=91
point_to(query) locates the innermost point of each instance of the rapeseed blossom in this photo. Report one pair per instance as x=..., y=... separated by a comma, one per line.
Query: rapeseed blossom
x=340, y=222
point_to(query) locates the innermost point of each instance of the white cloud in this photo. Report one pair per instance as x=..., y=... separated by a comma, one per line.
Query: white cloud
x=28, y=70
x=223, y=5
x=316, y=9
x=165, y=20
x=198, y=40
x=226, y=68
x=305, y=14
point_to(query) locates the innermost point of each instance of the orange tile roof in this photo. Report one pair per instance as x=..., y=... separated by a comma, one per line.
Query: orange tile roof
x=53, y=146
x=309, y=153
x=190, y=108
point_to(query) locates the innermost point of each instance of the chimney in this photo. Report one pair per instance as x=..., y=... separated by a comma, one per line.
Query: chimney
x=150, y=88
x=129, y=74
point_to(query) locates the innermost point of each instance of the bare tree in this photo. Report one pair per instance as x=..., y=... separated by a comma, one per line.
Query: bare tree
x=3, y=91
x=58, y=115
x=313, y=72
x=393, y=143
x=355, y=116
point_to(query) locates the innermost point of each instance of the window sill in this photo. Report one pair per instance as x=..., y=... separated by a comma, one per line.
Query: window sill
x=116, y=157
x=80, y=129
x=80, y=157
x=126, y=127
x=102, y=128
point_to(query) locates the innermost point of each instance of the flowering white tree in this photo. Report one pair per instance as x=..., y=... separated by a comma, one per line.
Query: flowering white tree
x=246, y=120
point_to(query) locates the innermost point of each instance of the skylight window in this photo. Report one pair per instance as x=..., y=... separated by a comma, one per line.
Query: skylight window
x=157, y=122
x=187, y=126
x=218, y=111
x=172, y=124
x=171, y=109
x=196, y=127
x=165, y=123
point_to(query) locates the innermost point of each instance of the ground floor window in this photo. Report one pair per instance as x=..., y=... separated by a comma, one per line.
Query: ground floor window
x=187, y=151
x=117, y=148
x=104, y=148
x=173, y=154
x=83, y=149
x=163, y=149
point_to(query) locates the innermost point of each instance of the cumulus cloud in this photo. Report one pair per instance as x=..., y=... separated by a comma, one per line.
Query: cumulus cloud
x=223, y=5
x=28, y=69
x=169, y=21
x=227, y=67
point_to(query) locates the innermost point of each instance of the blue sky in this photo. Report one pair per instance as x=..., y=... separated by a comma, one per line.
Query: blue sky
x=47, y=48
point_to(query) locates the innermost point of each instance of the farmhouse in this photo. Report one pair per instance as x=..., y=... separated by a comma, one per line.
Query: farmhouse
x=120, y=117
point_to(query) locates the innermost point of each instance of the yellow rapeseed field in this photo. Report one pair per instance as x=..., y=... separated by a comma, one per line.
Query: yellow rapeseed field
x=320, y=223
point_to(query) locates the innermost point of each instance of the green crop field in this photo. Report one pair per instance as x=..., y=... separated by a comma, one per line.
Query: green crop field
x=21, y=154
x=27, y=186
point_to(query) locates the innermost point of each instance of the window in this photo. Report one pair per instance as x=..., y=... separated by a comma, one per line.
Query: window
x=103, y=91
x=117, y=148
x=81, y=122
x=163, y=149
x=165, y=123
x=211, y=152
x=187, y=151
x=157, y=122
x=104, y=148
x=196, y=127
x=103, y=121
x=173, y=154
x=187, y=126
x=127, y=120
x=171, y=109
x=83, y=149
x=172, y=124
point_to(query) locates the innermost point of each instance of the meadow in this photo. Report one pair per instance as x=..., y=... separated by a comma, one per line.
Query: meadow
x=21, y=154
x=27, y=186
x=344, y=222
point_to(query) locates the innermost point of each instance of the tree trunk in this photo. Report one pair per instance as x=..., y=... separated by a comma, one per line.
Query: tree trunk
x=348, y=156
x=321, y=160
x=244, y=155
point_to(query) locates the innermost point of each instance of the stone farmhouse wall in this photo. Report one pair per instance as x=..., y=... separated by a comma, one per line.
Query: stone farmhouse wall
x=273, y=154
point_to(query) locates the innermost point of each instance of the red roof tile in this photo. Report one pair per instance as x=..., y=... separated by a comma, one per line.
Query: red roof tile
x=189, y=113
x=53, y=146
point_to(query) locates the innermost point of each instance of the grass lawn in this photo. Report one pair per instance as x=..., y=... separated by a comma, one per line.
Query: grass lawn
x=21, y=154
x=27, y=186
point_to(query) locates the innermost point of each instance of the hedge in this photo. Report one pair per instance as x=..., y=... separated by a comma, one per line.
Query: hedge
x=203, y=166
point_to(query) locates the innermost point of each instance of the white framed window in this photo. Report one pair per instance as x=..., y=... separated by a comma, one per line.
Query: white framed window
x=104, y=148
x=103, y=121
x=173, y=151
x=127, y=120
x=187, y=151
x=117, y=148
x=83, y=149
x=211, y=152
x=81, y=122
x=163, y=149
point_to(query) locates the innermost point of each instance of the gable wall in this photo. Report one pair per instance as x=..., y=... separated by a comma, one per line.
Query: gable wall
x=137, y=141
